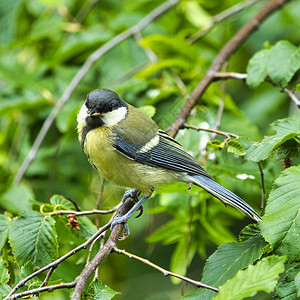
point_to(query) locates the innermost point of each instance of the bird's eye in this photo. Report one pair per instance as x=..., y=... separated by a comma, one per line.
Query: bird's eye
x=111, y=107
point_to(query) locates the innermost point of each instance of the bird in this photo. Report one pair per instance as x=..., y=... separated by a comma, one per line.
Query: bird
x=129, y=149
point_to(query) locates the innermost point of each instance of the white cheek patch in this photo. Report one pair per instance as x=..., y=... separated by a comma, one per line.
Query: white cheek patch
x=114, y=117
x=82, y=113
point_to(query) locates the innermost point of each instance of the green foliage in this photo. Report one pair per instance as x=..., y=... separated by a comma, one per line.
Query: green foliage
x=227, y=260
x=33, y=238
x=44, y=43
x=99, y=291
x=280, y=63
x=261, y=277
x=284, y=144
x=281, y=225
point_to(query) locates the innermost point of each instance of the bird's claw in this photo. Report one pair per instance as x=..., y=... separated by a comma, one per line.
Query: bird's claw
x=141, y=209
x=131, y=193
x=119, y=220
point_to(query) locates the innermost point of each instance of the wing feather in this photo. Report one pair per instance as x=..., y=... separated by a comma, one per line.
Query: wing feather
x=167, y=153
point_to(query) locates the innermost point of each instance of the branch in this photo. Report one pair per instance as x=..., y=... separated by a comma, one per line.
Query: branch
x=229, y=75
x=79, y=76
x=58, y=261
x=83, y=213
x=102, y=253
x=224, y=133
x=292, y=96
x=263, y=194
x=49, y=288
x=223, y=56
x=164, y=271
x=222, y=16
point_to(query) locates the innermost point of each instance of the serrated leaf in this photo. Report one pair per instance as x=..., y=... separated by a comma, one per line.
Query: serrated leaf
x=260, y=277
x=4, y=227
x=284, y=62
x=281, y=222
x=287, y=129
x=235, y=147
x=4, y=290
x=248, y=232
x=216, y=144
x=59, y=200
x=287, y=288
x=99, y=291
x=32, y=237
x=257, y=68
x=227, y=260
x=4, y=275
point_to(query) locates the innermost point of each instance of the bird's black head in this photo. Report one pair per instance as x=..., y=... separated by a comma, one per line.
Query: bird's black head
x=104, y=107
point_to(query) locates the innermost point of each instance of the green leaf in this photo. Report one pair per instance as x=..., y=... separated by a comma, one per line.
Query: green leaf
x=61, y=201
x=248, y=232
x=99, y=291
x=17, y=199
x=4, y=227
x=32, y=237
x=281, y=222
x=4, y=275
x=287, y=129
x=216, y=144
x=297, y=283
x=287, y=288
x=227, y=260
x=235, y=147
x=261, y=277
x=283, y=63
x=257, y=68
x=4, y=290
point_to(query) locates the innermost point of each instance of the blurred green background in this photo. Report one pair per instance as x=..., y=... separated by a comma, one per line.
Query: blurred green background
x=43, y=44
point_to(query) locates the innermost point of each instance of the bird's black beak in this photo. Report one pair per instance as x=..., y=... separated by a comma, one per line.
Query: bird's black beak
x=93, y=113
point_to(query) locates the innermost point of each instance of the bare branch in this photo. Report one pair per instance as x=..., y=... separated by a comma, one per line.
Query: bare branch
x=230, y=75
x=223, y=56
x=164, y=271
x=224, y=133
x=292, y=96
x=49, y=288
x=79, y=76
x=83, y=213
x=102, y=253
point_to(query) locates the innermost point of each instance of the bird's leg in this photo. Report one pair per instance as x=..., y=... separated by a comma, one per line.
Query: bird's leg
x=125, y=218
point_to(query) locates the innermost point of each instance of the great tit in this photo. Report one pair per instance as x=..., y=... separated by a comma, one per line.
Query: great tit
x=128, y=148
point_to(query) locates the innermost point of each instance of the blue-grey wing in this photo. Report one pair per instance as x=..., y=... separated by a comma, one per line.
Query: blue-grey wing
x=161, y=151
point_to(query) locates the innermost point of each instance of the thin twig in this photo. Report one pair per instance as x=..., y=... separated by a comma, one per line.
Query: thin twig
x=58, y=261
x=49, y=288
x=230, y=75
x=79, y=76
x=224, y=133
x=222, y=57
x=84, y=213
x=292, y=96
x=263, y=194
x=46, y=280
x=164, y=271
x=222, y=16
